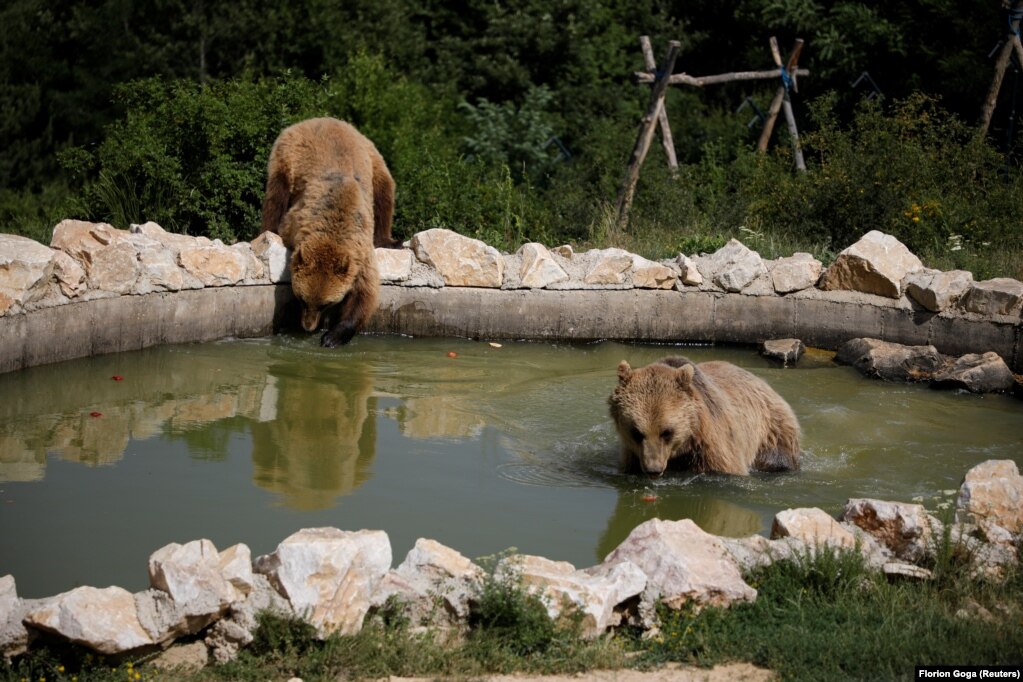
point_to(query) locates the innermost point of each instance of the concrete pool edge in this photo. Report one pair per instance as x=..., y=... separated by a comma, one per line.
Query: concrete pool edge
x=819, y=318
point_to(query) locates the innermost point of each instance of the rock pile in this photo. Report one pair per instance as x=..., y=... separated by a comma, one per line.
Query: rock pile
x=336, y=579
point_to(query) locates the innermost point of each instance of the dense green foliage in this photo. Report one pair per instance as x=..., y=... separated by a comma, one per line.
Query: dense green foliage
x=513, y=121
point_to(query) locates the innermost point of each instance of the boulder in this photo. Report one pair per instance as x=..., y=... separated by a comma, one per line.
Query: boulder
x=171, y=241
x=756, y=551
x=876, y=264
x=786, y=351
x=329, y=575
x=795, y=273
x=255, y=272
x=395, y=265
x=991, y=496
x=977, y=373
x=104, y=620
x=646, y=274
x=683, y=565
x=814, y=527
x=431, y=575
x=270, y=249
x=594, y=593
x=1000, y=296
x=565, y=251
x=197, y=574
x=26, y=269
x=733, y=267
x=229, y=634
x=935, y=290
x=905, y=529
x=689, y=272
x=461, y=261
x=891, y=361
x=109, y=258
x=159, y=269
x=13, y=635
x=608, y=267
x=214, y=264
x=899, y=571
x=538, y=268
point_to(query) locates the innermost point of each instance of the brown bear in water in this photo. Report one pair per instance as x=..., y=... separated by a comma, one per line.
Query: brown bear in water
x=708, y=417
x=330, y=197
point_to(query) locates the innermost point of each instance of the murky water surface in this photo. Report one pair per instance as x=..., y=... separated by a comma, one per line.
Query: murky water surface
x=249, y=441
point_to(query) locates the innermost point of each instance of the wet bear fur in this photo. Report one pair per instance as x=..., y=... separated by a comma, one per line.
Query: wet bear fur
x=330, y=197
x=707, y=417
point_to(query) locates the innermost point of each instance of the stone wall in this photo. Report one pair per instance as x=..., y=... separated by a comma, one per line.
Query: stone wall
x=97, y=289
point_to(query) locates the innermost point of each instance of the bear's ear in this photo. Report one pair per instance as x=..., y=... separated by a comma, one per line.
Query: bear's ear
x=296, y=257
x=684, y=376
x=624, y=372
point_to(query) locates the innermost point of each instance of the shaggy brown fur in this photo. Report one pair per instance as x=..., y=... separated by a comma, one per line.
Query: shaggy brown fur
x=330, y=197
x=708, y=417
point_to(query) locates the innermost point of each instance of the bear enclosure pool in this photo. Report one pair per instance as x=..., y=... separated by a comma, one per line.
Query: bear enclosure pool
x=105, y=459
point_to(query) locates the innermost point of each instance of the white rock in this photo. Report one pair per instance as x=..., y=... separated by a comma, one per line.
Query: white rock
x=269, y=248
x=999, y=296
x=213, y=264
x=690, y=273
x=461, y=261
x=733, y=267
x=395, y=265
x=876, y=264
x=594, y=593
x=683, y=564
x=329, y=575
x=255, y=272
x=992, y=496
x=936, y=290
x=905, y=529
x=813, y=526
x=102, y=619
x=646, y=274
x=795, y=273
x=538, y=268
x=26, y=267
x=608, y=267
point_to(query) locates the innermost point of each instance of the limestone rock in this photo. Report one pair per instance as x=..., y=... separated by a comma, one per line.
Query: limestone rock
x=213, y=264
x=795, y=273
x=196, y=574
x=538, y=268
x=26, y=267
x=787, y=351
x=270, y=249
x=171, y=241
x=977, y=373
x=395, y=265
x=109, y=258
x=756, y=551
x=255, y=273
x=999, y=296
x=733, y=267
x=876, y=264
x=905, y=529
x=329, y=574
x=897, y=570
x=461, y=261
x=689, y=272
x=609, y=267
x=683, y=564
x=594, y=592
x=235, y=630
x=565, y=251
x=432, y=572
x=813, y=526
x=104, y=620
x=159, y=270
x=992, y=496
x=190, y=657
x=13, y=635
x=936, y=290
x=891, y=361
x=646, y=274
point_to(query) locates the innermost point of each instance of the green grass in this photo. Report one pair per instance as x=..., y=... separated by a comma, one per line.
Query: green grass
x=824, y=616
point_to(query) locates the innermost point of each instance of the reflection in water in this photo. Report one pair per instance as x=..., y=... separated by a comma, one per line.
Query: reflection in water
x=320, y=444
x=250, y=440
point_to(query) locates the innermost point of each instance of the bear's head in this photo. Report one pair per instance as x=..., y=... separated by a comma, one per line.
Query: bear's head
x=322, y=273
x=655, y=413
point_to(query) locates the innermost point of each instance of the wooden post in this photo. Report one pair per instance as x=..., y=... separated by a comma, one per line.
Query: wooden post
x=782, y=101
x=1002, y=63
x=646, y=134
x=666, y=140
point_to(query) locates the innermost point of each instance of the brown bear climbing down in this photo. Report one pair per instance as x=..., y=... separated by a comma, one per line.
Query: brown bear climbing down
x=713, y=416
x=330, y=197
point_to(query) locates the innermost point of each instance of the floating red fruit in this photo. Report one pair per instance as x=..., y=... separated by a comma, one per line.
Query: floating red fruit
x=452, y=354
x=95, y=414
x=117, y=377
x=648, y=498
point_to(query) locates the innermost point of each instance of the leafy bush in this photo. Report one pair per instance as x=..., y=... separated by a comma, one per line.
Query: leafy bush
x=514, y=619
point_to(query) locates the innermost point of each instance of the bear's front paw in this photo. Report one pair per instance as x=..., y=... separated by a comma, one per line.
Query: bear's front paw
x=338, y=336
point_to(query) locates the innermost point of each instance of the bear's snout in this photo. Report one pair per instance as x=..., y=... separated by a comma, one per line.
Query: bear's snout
x=310, y=319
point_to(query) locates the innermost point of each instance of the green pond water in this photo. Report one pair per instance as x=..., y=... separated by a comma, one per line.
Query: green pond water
x=249, y=441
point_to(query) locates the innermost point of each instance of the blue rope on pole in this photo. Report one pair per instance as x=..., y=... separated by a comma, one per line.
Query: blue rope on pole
x=786, y=79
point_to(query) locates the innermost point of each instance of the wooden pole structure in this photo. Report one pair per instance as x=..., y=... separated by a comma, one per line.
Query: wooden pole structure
x=782, y=101
x=662, y=118
x=646, y=134
x=1001, y=64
